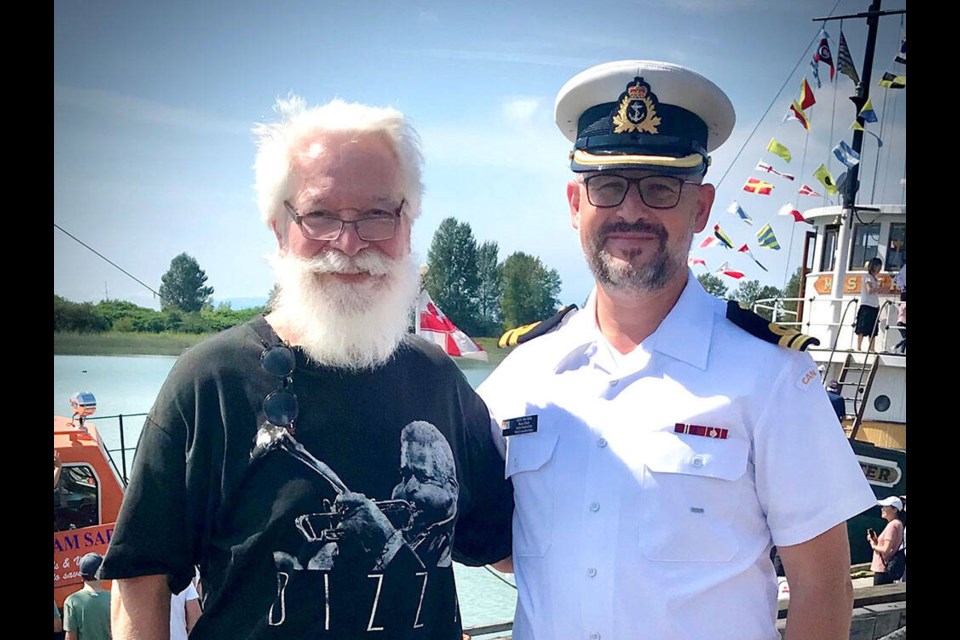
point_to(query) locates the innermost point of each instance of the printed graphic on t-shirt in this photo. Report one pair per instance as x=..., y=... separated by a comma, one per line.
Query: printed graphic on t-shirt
x=403, y=535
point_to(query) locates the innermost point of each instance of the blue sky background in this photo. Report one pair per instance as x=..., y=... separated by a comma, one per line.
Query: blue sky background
x=154, y=102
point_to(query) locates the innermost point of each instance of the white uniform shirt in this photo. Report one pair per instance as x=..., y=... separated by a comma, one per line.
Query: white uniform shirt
x=625, y=529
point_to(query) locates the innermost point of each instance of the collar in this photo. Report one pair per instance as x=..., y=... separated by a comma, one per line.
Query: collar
x=684, y=334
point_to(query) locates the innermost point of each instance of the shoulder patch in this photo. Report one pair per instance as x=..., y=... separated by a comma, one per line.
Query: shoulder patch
x=530, y=331
x=760, y=327
x=808, y=377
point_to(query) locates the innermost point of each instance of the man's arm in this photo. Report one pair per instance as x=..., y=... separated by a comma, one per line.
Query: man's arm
x=192, y=613
x=821, y=593
x=140, y=608
x=505, y=565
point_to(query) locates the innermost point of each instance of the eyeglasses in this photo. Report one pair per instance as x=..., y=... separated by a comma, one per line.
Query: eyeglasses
x=657, y=192
x=373, y=225
x=280, y=407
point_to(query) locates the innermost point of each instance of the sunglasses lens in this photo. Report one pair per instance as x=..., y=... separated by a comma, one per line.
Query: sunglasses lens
x=281, y=408
x=278, y=361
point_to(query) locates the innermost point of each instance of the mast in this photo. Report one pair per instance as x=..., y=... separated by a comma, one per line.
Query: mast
x=852, y=184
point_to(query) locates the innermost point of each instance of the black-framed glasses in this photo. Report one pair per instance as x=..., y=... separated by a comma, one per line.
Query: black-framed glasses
x=280, y=407
x=372, y=225
x=657, y=192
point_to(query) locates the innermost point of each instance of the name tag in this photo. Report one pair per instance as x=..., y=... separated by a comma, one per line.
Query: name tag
x=519, y=426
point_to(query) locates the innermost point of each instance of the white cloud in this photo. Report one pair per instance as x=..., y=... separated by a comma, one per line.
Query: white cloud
x=520, y=110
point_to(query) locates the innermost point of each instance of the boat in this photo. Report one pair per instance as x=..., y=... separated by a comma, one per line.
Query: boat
x=872, y=381
x=87, y=497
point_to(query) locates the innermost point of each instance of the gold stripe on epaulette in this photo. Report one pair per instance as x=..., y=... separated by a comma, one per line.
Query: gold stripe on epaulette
x=510, y=338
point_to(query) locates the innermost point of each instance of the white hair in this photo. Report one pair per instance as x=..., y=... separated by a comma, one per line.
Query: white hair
x=278, y=143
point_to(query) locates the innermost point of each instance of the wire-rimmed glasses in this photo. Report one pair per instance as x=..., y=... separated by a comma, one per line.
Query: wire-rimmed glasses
x=372, y=225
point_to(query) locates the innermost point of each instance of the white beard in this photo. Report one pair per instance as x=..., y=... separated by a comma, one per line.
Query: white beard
x=341, y=324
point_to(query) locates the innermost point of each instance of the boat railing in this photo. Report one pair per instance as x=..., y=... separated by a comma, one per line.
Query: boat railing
x=776, y=309
x=123, y=449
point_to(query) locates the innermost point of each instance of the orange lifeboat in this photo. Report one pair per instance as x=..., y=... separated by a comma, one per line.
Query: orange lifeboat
x=86, y=496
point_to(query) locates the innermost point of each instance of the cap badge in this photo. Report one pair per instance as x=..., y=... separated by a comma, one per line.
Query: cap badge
x=638, y=109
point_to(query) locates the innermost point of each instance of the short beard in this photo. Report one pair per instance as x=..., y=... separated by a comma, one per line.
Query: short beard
x=623, y=275
x=340, y=324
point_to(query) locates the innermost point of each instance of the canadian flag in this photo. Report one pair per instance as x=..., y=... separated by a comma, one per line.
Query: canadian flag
x=432, y=325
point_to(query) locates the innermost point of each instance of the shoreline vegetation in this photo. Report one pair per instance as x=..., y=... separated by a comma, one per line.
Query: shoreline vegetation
x=128, y=343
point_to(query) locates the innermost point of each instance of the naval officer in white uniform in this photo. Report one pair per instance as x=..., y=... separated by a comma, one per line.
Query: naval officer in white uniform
x=657, y=448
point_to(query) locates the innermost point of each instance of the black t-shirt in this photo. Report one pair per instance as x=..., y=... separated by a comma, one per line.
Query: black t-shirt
x=282, y=554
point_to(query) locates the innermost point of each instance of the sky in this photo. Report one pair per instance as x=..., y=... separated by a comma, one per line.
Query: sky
x=154, y=105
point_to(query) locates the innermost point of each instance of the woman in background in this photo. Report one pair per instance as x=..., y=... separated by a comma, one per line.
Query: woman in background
x=869, y=304
x=889, y=540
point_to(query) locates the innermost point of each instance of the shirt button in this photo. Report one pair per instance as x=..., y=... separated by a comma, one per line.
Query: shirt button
x=594, y=636
x=601, y=443
x=697, y=461
x=591, y=572
x=594, y=506
x=613, y=383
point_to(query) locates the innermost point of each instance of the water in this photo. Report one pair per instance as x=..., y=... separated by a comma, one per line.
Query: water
x=128, y=385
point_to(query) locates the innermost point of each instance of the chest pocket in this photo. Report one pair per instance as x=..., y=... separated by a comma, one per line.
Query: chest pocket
x=531, y=466
x=692, y=489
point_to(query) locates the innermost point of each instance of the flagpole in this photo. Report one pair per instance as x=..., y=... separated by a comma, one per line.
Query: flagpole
x=851, y=186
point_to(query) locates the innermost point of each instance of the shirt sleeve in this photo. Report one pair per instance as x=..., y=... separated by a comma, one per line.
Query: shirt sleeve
x=190, y=593
x=69, y=621
x=807, y=476
x=153, y=531
x=484, y=532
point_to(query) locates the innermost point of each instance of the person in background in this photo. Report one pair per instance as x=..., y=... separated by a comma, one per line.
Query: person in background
x=272, y=456
x=660, y=440
x=86, y=613
x=903, y=545
x=57, y=468
x=184, y=612
x=869, y=304
x=900, y=281
x=57, y=622
x=889, y=540
x=836, y=400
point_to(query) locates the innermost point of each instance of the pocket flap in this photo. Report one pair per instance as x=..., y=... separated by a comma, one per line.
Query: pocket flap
x=695, y=455
x=529, y=452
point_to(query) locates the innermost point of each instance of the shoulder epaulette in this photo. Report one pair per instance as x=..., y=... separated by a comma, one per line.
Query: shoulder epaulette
x=762, y=328
x=530, y=331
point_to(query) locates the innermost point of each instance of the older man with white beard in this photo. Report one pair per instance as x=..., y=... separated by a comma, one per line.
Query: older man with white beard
x=276, y=451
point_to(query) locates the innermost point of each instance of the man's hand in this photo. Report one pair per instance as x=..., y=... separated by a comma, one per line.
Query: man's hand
x=363, y=523
x=57, y=467
x=821, y=593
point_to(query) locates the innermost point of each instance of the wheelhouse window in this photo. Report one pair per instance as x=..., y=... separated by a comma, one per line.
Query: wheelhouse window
x=76, y=499
x=897, y=246
x=829, y=255
x=866, y=243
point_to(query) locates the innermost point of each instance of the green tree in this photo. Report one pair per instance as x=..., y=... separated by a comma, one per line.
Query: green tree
x=792, y=291
x=713, y=284
x=750, y=291
x=83, y=317
x=489, y=290
x=182, y=286
x=530, y=290
x=452, y=279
